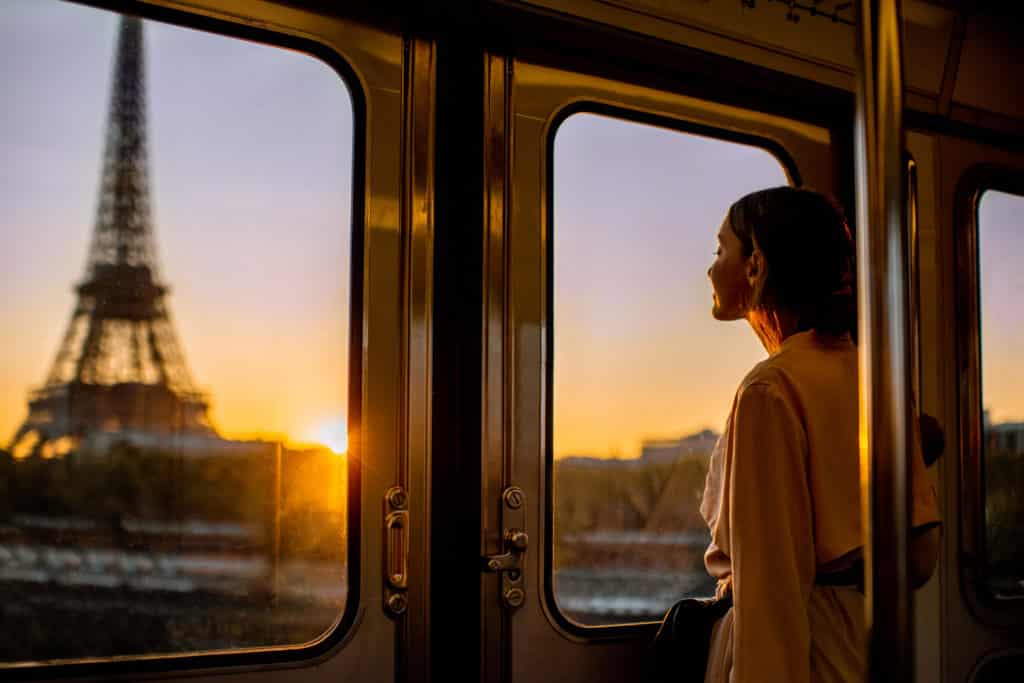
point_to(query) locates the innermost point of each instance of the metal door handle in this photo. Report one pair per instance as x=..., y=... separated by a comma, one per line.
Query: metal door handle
x=397, y=563
x=396, y=550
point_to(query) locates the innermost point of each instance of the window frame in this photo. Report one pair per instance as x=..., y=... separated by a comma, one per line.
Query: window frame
x=273, y=656
x=628, y=115
x=973, y=184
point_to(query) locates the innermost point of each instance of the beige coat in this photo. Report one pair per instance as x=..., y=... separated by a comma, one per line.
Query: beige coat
x=782, y=501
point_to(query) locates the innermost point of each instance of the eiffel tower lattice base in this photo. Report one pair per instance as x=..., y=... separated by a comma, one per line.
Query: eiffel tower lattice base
x=119, y=372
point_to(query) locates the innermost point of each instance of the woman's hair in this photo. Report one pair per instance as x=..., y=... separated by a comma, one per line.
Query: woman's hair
x=809, y=253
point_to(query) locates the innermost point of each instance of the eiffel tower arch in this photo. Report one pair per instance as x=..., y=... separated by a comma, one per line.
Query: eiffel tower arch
x=120, y=369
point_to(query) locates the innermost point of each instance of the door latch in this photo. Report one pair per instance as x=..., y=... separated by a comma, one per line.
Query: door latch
x=511, y=563
x=396, y=550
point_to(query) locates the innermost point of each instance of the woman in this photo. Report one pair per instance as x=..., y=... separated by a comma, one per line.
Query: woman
x=782, y=497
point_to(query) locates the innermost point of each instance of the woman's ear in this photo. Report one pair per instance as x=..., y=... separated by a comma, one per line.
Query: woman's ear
x=755, y=268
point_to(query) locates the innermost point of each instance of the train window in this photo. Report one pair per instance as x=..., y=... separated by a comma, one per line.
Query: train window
x=643, y=377
x=1000, y=251
x=175, y=226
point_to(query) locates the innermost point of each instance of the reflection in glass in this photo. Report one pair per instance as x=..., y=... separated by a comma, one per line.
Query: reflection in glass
x=643, y=377
x=1001, y=249
x=138, y=516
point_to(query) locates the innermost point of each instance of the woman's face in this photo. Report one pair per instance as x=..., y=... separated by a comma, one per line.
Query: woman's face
x=728, y=275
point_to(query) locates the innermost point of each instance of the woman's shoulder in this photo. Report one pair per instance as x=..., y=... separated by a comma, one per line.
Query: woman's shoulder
x=766, y=382
x=769, y=374
x=806, y=358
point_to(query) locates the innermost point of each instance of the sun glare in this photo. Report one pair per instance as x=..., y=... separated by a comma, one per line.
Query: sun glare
x=332, y=434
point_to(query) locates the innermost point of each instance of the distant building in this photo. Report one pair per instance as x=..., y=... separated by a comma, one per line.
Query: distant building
x=99, y=443
x=671, y=450
x=652, y=451
x=1007, y=437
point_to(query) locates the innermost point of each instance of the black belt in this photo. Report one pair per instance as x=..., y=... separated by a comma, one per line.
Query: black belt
x=851, y=577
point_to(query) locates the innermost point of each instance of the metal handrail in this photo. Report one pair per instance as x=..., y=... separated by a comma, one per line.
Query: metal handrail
x=884, y=344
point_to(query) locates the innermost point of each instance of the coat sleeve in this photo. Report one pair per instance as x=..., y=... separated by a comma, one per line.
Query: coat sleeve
x=771, y=539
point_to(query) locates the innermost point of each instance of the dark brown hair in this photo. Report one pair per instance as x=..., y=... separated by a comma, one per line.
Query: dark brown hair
x=809, y=254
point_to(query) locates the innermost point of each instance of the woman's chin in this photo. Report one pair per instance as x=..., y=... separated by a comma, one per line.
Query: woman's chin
x=725, y=316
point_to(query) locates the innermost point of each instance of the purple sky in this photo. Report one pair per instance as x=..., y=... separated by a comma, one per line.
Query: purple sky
x=250, y=151
x=250, y=167
x=1001, y=247
x=637, y=213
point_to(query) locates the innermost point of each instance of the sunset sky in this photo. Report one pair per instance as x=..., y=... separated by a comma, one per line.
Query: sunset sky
x=250, y=168
x=1001, y=247
x=637, y=213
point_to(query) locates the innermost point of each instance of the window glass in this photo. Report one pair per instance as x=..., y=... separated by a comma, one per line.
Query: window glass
x=174, y=271
x=643, y=376
x=1000, y=217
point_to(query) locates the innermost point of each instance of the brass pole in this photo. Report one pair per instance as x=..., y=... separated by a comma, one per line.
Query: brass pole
x=883, y=341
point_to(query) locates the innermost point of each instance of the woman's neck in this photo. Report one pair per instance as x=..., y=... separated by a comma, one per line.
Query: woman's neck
x=772, y=327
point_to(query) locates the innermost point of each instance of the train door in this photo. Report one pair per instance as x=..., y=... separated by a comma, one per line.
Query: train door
x=205, y=529
x=969, y=217
x=605, y=378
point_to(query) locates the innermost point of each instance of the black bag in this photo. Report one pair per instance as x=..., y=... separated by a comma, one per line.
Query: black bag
x=680, y=649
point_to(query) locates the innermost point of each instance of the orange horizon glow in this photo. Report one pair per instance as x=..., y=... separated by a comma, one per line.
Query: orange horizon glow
x=337, y=445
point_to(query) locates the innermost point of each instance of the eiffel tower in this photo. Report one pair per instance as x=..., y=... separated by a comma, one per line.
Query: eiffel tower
x=119, y=368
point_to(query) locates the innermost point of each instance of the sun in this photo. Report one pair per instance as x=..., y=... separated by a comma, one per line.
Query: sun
x=333, y=434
